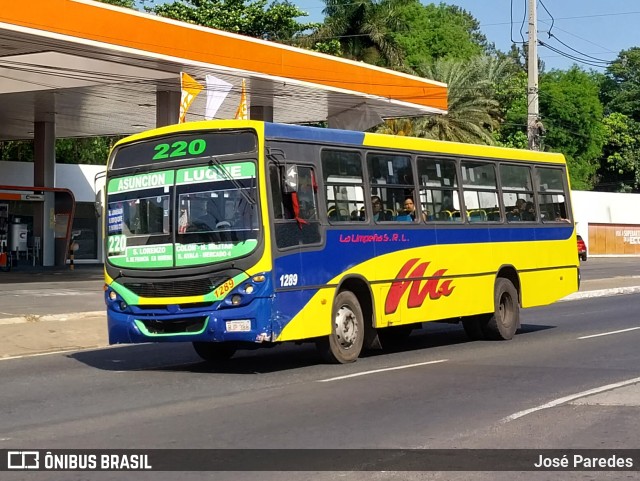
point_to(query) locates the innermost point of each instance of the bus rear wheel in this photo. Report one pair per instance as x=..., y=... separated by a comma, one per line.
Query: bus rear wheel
x=214, y=351
x=505, y=321
x=344, y=344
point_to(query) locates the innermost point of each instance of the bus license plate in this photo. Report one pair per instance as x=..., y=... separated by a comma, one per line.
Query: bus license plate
x=239, y=326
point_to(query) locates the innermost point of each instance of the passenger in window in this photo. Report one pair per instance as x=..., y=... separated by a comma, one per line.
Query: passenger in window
x=529, y=212
x=447, y=204
x=378, y=213
x=446, y=209
x=183, y=221
x=517, y=212
x=409, y=211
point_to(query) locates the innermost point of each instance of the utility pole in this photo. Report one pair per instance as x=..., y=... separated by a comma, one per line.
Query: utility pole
x=533, y=114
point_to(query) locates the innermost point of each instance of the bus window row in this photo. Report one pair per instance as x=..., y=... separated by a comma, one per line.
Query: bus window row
x=447, y=190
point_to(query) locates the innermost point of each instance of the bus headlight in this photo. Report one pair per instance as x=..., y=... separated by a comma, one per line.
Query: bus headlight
x=258, y=278
x=113, y=296
x=236, y=299
x=123, y=306
x=248, y=288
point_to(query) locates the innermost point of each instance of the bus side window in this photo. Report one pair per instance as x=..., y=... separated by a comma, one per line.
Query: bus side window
x=281, y=210
x=552, y=195
x=438, y=193
x=342, y=174
x=480, y=189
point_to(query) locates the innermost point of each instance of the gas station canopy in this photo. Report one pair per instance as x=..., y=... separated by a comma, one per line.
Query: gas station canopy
x=95, y=69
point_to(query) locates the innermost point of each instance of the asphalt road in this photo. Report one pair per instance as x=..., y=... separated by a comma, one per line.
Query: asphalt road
x=443, y=392
x=605, y=267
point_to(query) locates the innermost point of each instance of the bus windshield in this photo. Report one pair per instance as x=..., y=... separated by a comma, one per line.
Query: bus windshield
x=183, y=217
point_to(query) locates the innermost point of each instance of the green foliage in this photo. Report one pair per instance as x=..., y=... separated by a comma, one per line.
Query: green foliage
x=438, y=31
x=16, y=151
x=572, y=114
x=511, y=94
x=621, y=89
x=620, y=165
x=473, y=110
x=275, y=21
x=89, y=150
x=365, y=30
x=329, y=47
x=121, y=3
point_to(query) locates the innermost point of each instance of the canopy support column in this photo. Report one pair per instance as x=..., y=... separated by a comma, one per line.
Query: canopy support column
x=44, y=171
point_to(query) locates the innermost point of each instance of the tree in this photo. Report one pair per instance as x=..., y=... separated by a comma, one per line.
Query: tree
x=16, y=150
x=439, y=31
x=365, y=29
x=621, y=88
x=572, y=114
x=473, y=111
x=511, y=94
x=88, y=150
x=620, y=164
x=121, y=3
x=275, y=21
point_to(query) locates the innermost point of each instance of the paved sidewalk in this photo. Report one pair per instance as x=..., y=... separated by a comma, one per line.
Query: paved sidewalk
x=32, y=334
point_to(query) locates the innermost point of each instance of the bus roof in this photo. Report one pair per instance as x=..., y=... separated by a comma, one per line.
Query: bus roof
x=275, y=131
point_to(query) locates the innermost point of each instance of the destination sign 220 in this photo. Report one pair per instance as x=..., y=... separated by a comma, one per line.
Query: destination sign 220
x=185, y=146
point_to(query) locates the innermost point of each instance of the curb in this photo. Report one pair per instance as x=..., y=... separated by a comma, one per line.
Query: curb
x=25, y=318
x=616, y=291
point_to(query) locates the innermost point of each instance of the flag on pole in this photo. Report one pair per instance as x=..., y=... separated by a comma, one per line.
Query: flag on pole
x=241, y=113
x=217, y=90
x=190, y=89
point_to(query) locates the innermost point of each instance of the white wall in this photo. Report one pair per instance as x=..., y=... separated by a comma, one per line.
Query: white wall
x=80, y=179
x=603, y=208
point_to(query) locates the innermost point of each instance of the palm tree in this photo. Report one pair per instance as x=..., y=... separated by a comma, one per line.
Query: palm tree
x=364, y=28
x=473, y=111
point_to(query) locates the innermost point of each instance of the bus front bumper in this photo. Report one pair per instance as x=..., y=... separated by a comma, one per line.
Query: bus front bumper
x=239, y=325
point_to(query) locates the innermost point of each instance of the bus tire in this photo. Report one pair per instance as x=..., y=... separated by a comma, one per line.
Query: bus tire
x=344, y=344
x=214, y=351
x=504, y=322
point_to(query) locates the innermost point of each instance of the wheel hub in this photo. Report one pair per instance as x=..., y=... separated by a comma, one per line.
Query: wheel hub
x=346, y=327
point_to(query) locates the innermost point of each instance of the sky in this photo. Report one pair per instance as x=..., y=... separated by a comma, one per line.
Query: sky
x=593, y=30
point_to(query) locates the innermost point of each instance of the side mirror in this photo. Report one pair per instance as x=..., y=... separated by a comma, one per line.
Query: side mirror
x=98, y=204
x=290, y=179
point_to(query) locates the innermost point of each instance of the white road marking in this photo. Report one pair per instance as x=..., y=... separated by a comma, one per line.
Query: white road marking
x=366, y=373
x=611, y=332
x=567, y=399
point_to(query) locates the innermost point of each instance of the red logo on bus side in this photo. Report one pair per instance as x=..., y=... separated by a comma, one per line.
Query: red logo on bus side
x=434, y=287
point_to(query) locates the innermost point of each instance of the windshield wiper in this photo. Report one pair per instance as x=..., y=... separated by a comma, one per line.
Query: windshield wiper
x=235, y=183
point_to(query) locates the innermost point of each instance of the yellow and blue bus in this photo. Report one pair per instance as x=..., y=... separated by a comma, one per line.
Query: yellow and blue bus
x=237, y=234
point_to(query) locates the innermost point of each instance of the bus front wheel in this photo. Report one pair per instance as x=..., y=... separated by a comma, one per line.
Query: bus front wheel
x=344, y=344
x=505, y=321
x=214, y=351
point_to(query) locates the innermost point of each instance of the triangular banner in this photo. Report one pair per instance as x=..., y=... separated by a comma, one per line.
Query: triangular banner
x=190, y=89
x=242, y=113
x=217, y=90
